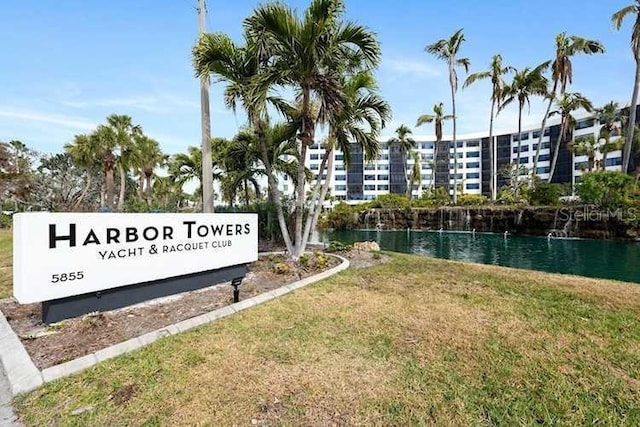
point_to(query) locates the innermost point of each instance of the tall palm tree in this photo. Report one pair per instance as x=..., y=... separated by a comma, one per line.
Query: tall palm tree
x=447, y=50
x=147, y=156
x=437, y=118
x=185, y=167
x=124, y=131
x=307, y=54
x=494, y=73
x=617, y=19
x=562, y=72
x=106, y=142
x=586, y=146
x=526, y=83
x=359, y=122
x=415, y=175
x=405, y=144
x=608, y=115
x=83, y=153
x=566, y=105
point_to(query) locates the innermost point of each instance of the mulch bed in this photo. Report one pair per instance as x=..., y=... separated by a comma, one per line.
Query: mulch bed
x=73, y=338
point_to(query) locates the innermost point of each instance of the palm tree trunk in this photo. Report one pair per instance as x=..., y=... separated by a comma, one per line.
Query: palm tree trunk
x=519, y=139
x=544, y=123
x=556, y=150
x=273, y=186
x=246, y=194
x=123, y=185
x=109, y=179
x=315, y=206
x=492, y=189
x=455, y=144
x=141, y=184
x=632, y=119
x=300, y=198
x=323, y=195
x=591, y=161
x=84, y=191
x=604, y=157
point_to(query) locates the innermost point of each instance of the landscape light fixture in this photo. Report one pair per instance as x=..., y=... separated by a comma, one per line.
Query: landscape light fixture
x=236, y=292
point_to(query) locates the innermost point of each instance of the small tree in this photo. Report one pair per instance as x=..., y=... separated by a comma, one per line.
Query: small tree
x=605, y=188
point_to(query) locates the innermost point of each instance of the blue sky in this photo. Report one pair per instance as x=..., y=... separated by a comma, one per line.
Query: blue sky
x=67, y=64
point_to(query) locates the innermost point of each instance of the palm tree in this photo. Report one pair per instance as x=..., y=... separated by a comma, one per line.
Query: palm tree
x=586, y=146
x=124, y=131
x=447, y=50
x=308, y=55
x=608, y=115
x=569, y=103
x=359, y=122
x=405, y=144
x=415, y=175
x=437, y=118
x=147, y=156
x=105, y=140
x=617, y=19
x=526, y=83
x=495, y=73
x=84, y=154
x=185, y=167
x=562, y=72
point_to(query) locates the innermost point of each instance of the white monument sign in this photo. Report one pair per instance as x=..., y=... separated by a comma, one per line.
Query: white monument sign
x=58, y=255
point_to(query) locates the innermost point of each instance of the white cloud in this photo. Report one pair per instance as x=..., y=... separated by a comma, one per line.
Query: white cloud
x=413, y=67
x=153, y=104
x=56, y=119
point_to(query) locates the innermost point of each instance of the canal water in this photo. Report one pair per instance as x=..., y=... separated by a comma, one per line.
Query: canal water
x=591, y=258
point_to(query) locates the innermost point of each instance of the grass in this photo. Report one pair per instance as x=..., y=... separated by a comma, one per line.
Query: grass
x=6, y=262
x=413, y=342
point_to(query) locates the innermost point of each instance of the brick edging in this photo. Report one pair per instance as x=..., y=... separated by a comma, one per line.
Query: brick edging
x=24, y=376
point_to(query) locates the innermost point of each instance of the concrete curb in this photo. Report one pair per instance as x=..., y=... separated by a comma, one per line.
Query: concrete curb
x=23, y=376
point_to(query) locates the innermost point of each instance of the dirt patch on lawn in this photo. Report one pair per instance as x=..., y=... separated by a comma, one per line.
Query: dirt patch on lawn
x=72, y=338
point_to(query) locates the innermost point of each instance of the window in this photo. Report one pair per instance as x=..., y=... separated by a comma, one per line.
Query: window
x=314, y=146
x=369, y=197
x=340, y=167
x=583, y=124
x=544, y=157
x=426, y=177
x=286, y=177
x=536, y=134
x=579, y=166
x=383, y=177
x=473, y=154
x=314, y=166
x=452, y=166
x=341, y=197
x=427, y=145
x=547, y=132
x=524, y=135
x=473, y=143
x=383, y=157
x=383, y=188
x=524, y=160
x=458, y=176
x=614, y=161
x=369, y=187
x=369, y=177
x=369, y=167
x=543, y=169
x=384, y=146
x=459, y=155
x=473, y=165
x=383, y=167
x=473, y=175
x=473, y=186
x=523, y=149
x=425, y=166
x=339, y=156
x=341, y=177
x=313, y=157
x=341, y=188
x=426, y=156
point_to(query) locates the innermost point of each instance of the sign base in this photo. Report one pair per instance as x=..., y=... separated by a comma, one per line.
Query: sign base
x=110, y=299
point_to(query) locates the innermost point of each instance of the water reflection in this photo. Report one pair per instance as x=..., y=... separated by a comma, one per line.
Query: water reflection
x=592, y=258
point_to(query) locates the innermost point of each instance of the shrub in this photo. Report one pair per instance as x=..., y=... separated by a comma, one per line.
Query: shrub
x=6, y=221
x=471, y=200
x=390, y=201
x=605, y=188
x=304, y=261
x=282, y=268
x=545, y=194
x=336, y=246
x=321, y=260
x=342, y=217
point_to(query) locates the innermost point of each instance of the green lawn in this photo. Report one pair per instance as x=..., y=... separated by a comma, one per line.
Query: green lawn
x=416, y=341
x=6, y=262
